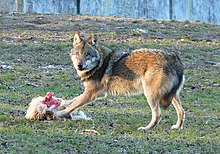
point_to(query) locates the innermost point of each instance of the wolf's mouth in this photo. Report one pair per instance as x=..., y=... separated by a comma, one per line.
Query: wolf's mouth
x=81, y=69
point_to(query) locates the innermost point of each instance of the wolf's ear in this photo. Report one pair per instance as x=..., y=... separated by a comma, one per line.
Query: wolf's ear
x=92, y=40
x=76, y=39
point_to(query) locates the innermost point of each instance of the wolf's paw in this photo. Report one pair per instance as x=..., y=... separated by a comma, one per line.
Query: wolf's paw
x=175, y=127
x=143, y=128
x=55, y=114
x=60, y=114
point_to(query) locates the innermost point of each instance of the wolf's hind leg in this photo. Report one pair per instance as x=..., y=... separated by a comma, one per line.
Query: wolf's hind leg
x=178, y=106
x=155, y=108
x=156, y=114
x=180, y=112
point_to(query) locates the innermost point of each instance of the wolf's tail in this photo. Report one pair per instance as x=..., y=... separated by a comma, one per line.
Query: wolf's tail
x=175, y=91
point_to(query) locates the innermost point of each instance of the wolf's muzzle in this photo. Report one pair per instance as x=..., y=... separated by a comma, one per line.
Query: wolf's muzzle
x=80, y=67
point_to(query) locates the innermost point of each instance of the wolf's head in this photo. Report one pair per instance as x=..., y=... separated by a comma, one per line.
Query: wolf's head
x=84, y=54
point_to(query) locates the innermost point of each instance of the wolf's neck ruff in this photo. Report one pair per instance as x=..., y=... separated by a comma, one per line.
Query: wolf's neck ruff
x=105, y=64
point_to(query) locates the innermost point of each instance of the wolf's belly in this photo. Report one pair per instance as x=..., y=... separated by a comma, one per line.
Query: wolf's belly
x=121, y=86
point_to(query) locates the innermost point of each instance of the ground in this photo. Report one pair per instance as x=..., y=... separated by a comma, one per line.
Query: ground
x=34, y=59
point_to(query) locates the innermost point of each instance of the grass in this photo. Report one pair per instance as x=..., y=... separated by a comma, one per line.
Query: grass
x=39, y=60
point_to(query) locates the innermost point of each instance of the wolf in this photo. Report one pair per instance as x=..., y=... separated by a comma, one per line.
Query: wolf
x=156, y=73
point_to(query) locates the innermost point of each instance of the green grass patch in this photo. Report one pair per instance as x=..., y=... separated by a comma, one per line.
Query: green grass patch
x=39, y=56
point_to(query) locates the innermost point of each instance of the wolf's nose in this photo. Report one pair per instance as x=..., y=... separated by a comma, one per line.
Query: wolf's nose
x=80, y=66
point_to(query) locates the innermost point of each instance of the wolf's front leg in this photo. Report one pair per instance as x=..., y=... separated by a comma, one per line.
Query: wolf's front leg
x=65, y=103
x=76, y=103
